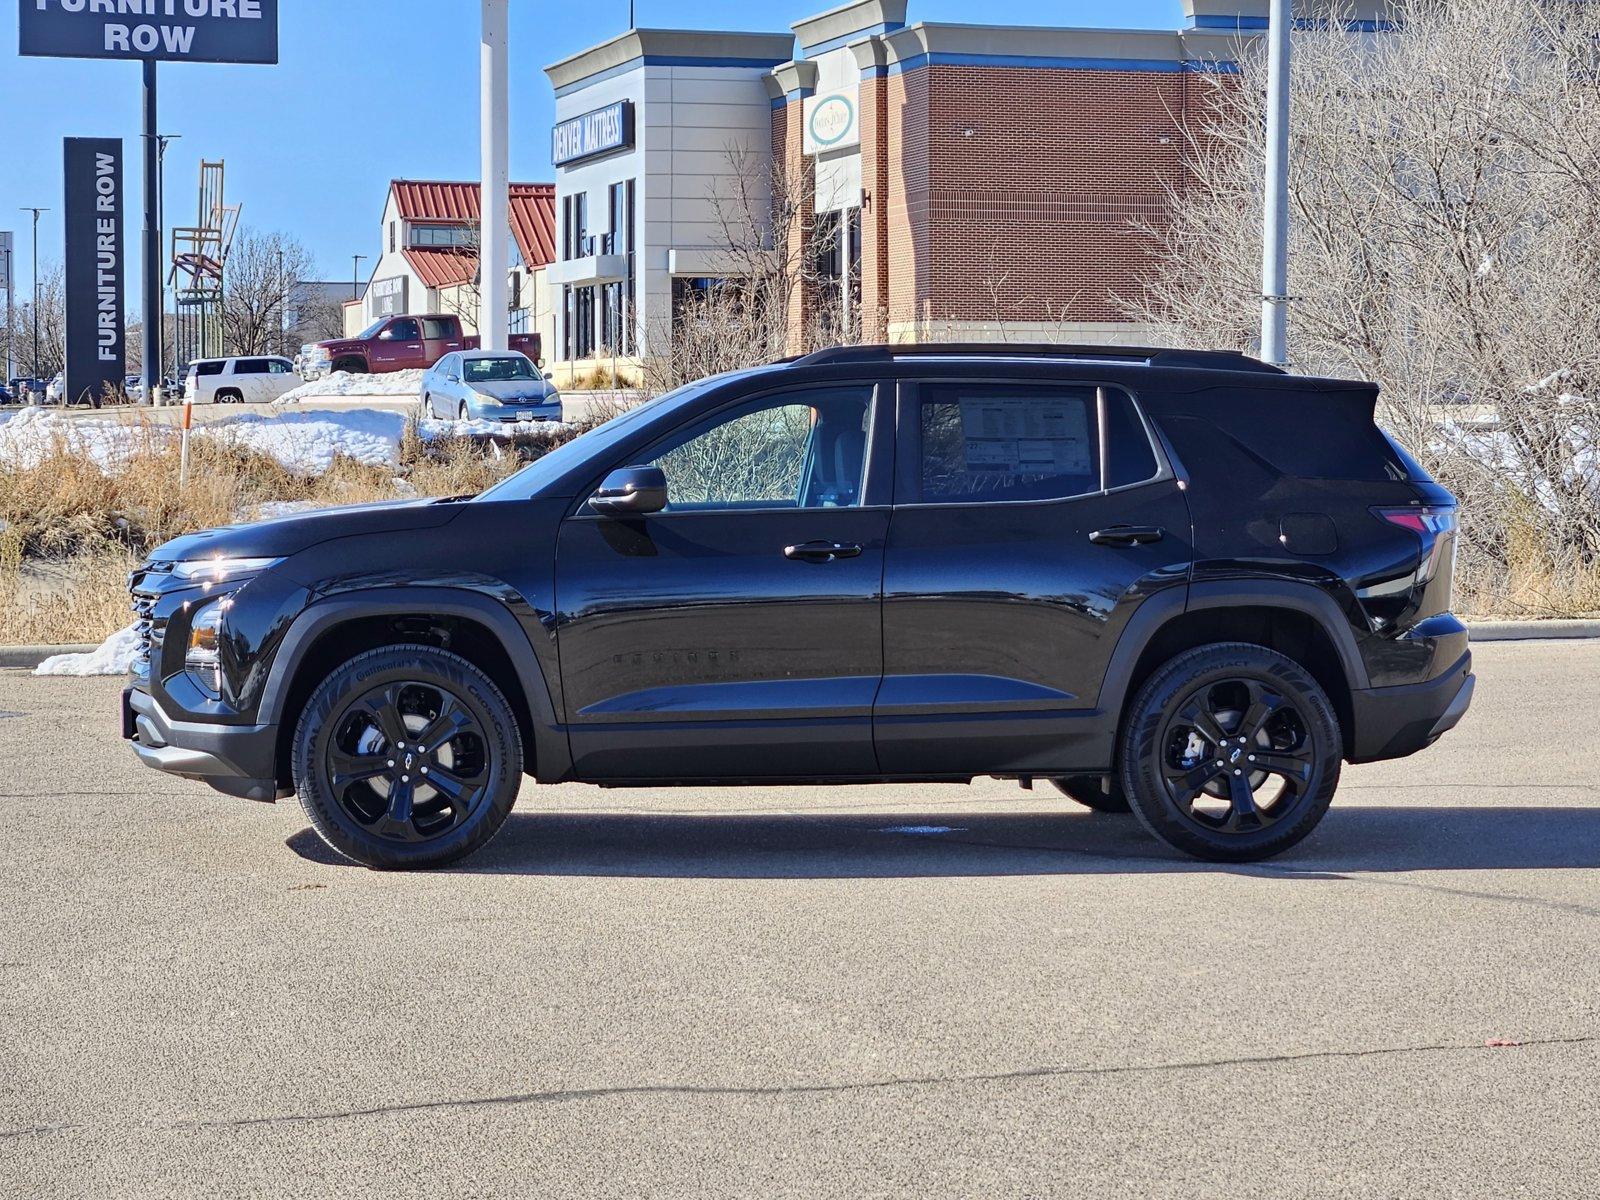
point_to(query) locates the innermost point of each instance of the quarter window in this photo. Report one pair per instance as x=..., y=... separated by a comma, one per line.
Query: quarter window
x=798, y=450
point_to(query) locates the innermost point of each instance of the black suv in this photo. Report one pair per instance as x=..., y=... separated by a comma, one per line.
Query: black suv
x=1181, y=581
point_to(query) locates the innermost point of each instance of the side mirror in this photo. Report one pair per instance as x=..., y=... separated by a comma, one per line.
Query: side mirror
x=631, y=491
x=550, y=375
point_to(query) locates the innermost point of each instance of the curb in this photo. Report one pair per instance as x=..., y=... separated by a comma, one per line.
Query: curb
x=29, y=657
x=1528, y=631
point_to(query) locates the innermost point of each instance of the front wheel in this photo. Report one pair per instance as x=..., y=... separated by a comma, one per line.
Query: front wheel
x=461, y=412
x=1230, y=752
x=407, y=756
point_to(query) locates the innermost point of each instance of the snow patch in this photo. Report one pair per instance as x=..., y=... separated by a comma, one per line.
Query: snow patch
x=114, y=656
x=308, y=442
x=346, y=383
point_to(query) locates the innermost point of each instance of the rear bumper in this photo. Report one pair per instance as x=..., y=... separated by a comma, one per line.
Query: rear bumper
x=240, y=760
x=1393, y=722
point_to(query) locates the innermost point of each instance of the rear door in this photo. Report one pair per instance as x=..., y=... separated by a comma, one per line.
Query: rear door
x=440, y=336
x=737, y=634
x=1031, y=518
x=250, y=378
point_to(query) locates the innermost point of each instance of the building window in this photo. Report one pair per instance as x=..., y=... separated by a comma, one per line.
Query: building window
x=441, y=235
x=391, y=237
x=575, y=239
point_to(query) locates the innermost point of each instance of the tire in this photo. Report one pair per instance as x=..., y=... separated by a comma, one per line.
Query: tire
x=1103, y=793
x=461, y=412
x=361, y=716
x=1194, y=730
x=229, y=396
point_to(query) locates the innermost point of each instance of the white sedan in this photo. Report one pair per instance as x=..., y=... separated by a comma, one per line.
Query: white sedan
x=489, y=385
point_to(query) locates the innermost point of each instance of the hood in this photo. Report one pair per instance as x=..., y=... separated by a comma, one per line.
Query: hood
x=283, y=536
x=507, y=390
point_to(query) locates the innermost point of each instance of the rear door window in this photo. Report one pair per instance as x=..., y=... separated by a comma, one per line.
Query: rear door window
x=986, y=441
x=251, y=366
x=437, y=330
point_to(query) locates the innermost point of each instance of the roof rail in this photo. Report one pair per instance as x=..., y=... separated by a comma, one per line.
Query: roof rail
x=1150, y=356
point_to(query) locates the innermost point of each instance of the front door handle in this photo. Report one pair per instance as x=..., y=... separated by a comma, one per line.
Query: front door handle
x=1127, y=535
x=821, y=552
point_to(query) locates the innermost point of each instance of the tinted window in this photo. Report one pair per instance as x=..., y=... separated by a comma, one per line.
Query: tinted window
x=437, y=329
x=488, y=370
x=250, y=366
x=798, y=450
x=207, y=368
x=404, y=331
x=984, y=441
x=1132, y=459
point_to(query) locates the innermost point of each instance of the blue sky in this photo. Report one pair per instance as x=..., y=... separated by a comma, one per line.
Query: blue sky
x=366, y=90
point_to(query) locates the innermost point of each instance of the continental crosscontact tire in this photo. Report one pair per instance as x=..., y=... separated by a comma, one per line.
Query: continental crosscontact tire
x=1230, y=752
x=407, y=756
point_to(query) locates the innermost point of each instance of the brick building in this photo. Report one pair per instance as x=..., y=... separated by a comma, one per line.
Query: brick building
x=969, y=181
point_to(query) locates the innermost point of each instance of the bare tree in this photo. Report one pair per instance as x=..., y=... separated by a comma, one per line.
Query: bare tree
x=1445, y=184
x=52, y=355
x=770, y=298
x=258, y=289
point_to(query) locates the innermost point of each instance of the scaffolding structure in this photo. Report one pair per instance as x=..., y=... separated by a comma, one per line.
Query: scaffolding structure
x=199, y=262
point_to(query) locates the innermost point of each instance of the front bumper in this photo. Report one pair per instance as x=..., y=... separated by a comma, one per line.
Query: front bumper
x=239, y=760
x=1392, y=722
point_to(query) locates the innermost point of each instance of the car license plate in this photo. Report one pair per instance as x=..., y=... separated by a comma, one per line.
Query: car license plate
x=525, y=415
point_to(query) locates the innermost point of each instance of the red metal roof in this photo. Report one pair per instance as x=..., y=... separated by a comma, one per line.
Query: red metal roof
x=439, y=266
x=533, y=224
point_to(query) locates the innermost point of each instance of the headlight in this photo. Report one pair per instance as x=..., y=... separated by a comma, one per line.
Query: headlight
x=214, y=570
x=203, y=657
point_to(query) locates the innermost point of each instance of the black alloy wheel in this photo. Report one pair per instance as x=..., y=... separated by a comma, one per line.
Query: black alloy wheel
x=407, y=756
x=1231, y=752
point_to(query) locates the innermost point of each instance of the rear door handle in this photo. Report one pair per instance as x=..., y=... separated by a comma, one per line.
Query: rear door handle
x=1127, y=535
x=821, y=552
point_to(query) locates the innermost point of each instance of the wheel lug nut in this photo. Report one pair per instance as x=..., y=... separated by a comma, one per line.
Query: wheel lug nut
x=1252, y=758
x=1238, y=772
x=1220, y=763
x=407, y=778
x=424, y=770
x=391, y=762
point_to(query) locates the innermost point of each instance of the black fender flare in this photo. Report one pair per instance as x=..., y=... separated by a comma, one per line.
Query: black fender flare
x=1167, y=605
x=552, y=757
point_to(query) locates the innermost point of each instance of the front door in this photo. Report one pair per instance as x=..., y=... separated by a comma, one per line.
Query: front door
x=736, y=634
x=1031, y=518
x=399, y=346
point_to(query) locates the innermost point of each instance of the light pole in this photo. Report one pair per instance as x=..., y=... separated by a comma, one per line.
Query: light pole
x=1275, y=223
x=355, y=276
x=494, y=233
x=283, y=307
x=162, y=140
x=34, y=370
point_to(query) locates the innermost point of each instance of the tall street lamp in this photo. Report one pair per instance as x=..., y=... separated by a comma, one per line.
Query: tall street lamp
x=35, y=211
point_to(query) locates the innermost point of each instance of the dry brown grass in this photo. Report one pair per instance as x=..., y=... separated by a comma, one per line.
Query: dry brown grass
x=70, y=531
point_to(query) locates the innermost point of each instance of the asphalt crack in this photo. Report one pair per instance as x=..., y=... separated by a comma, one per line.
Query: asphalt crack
x=574, y=1095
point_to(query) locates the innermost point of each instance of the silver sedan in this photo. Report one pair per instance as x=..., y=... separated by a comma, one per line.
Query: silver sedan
x=488, y=385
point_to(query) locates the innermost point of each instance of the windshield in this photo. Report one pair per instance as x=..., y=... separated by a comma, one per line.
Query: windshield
x=371, y=331
x=492, y=370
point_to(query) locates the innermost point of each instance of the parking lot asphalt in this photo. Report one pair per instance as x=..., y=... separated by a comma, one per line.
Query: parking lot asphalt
x=809, y=991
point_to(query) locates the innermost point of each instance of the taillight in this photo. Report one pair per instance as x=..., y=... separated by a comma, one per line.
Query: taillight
x=1435, y=525
x=1425, y=521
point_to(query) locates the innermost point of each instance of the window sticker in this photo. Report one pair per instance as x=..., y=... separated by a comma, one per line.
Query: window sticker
x=1026, y=435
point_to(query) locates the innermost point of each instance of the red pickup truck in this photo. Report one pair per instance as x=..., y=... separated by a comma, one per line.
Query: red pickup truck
x=400, y=343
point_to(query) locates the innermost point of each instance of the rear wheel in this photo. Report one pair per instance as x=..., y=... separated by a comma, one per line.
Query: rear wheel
x=1230, y=752
x=1100, y=792
x=407, y=756
x=229, y=396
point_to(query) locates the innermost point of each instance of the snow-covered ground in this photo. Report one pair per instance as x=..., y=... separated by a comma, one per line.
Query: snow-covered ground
x=304, y=440
x=343, y=383
x=114, y=656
